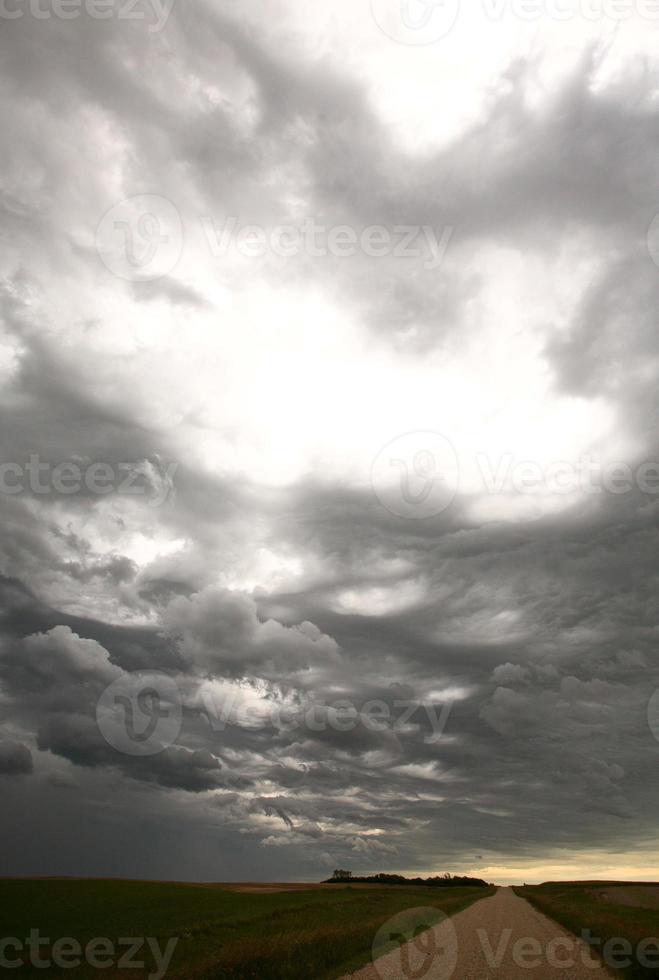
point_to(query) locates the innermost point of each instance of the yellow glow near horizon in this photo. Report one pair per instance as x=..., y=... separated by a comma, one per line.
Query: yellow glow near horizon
x=589, y=866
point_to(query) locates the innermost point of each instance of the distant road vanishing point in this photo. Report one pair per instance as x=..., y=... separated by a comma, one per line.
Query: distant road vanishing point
x=500, y=937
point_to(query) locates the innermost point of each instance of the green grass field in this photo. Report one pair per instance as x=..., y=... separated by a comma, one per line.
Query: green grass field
x=608, y=909
x=318, y=933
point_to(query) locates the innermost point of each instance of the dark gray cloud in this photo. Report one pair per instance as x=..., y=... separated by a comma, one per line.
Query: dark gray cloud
x=15, y=759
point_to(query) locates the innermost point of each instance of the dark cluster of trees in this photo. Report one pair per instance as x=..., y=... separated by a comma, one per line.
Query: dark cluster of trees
x=439, y=881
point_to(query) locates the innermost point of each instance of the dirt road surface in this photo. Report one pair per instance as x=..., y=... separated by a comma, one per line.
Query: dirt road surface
x=500, y=937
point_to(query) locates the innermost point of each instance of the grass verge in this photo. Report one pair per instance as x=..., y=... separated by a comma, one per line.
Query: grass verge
x=604, y=910
x=319, y=933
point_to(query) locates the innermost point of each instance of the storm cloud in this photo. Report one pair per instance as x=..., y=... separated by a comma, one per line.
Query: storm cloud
x=214, y=478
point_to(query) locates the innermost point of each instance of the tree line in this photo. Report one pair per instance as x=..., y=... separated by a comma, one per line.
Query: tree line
x=340, y=876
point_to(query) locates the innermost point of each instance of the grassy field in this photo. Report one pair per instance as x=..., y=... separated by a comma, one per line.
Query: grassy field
x=224, y=934
x=608, y=909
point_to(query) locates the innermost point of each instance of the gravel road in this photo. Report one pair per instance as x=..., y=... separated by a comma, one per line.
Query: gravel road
x=498, y=937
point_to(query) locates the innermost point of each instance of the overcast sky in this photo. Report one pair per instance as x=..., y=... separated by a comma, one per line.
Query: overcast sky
x=329, y=413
